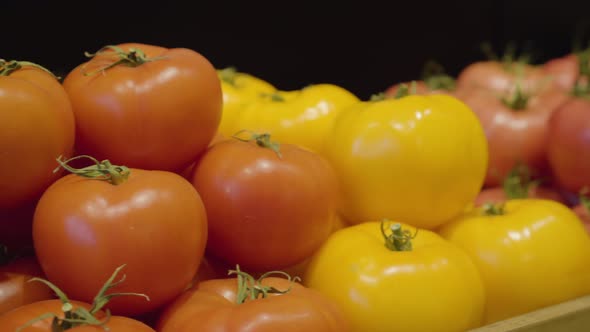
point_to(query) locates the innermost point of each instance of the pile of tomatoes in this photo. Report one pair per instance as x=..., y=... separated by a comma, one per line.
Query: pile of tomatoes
x=148, y=190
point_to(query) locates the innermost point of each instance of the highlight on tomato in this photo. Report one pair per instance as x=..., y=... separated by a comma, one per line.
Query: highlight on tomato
x=145, y=106
x=515, y=243
x=101, y=216
x=273, y=302
x=387, y=275
x=269, y=205
x=62, y=314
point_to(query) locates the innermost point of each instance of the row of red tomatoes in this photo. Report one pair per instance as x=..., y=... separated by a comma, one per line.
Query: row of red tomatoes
x=264, y=199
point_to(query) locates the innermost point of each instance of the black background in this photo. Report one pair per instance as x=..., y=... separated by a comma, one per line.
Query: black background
x=363, y=46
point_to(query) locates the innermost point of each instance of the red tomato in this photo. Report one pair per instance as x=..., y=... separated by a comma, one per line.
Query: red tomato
x=563, y=70
x=214, y=306
x=157, y=110
x=265, y=211
x=516, y=129
x=568, y=147
x=153, y=221
x=518, y=184
x=501, y=77
x=116, y=324
x=15, y=288
x=36, y=126
x=18, y=317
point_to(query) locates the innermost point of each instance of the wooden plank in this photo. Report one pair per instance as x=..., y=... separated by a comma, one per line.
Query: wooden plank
x=572, y=315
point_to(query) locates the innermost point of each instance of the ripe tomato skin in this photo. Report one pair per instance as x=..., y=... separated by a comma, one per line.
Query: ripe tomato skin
x=137, y=116
x=514, y=135
x=18, y=317
x=116, y=324
x=302, y=117
x=500, y=77
x=568, y=147
x=563, y=70
x=383, y=290
x=211, y=306
x=15, y=288
x=265, y=212
x=154, y=222
x=36, y=126
x=390, y=155
x=533, y=238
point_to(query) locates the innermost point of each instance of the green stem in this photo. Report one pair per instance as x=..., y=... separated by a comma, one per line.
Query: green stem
x=135, y=57
x=102, y=170
x=399, y=239
x=228, y=75
x=252, y=289
x=9, y=67
x=490, y=209
x=517, y=100
x=518, y=182
x=435, y=78
x=585, y=199
x=81, y=316
x=582, y=85
x=262, y=140
x=274, y=96
x=404, y=90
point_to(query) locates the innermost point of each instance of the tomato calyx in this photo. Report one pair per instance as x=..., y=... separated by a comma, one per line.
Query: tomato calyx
x=517, y=100
x=81, y=316
x=228, y=75
x=582, y=86
x=491, y=209
x=435, y=78
x=252, y=289
x=511, y=62
x=102, y=170
x=262, y=140
x=518, y=183
x=584, y=198
x=273, y=96
x=135, y=57
x=399, y=239
x=9, y=67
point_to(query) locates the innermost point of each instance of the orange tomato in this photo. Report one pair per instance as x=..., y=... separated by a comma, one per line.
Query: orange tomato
x=145, y=106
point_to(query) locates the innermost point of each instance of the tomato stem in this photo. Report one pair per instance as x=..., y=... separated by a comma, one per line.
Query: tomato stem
x=519, y=182
x=250, y=288
x=584, y=198
x=404, y=90
x=102, y=170
x=378, y=96
x=135, y=57
x=517, y=100
x=274, y=96
x=80, y=316
x=399, y=239
x=228, y=75
x=435, y=78
x=582, y=86
x=9, y=67
x=491, y=209
x=262, y=140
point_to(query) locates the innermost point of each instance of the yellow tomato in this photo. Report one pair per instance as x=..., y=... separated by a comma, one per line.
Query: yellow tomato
x=383, y=284
x=417, y=159
x=238, y=89
x=303, y=117
x=531, y=253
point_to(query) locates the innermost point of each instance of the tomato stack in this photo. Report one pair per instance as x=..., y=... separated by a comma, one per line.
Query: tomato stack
x=150, y=191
